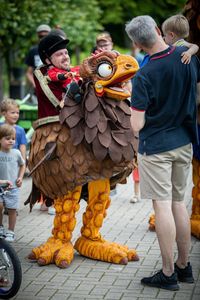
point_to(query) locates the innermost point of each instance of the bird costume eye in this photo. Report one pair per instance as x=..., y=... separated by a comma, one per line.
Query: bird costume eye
x=104, y=70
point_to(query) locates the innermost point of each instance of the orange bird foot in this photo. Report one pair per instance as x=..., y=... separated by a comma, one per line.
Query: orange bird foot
x=54, y=251
x=152, y=223
x=105, y=251
x=195, y=227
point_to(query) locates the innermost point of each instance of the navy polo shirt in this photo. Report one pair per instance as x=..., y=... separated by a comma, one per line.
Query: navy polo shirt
x=165, y=89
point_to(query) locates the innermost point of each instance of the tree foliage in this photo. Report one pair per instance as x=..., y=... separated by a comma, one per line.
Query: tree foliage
x=80, y=19
x=120, y=11
x=19, y=19
x=116, y=13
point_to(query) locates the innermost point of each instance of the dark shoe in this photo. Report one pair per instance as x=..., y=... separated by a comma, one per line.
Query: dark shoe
x=184, y=275
x=162, y=281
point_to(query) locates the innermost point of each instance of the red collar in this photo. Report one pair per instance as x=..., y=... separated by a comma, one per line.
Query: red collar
x=164, y=53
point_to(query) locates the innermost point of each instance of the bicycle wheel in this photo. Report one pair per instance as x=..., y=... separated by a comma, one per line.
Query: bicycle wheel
x=10, y=271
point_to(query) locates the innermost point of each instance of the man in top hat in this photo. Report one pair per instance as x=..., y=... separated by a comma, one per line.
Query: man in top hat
x=54, y=75
x=51, y=79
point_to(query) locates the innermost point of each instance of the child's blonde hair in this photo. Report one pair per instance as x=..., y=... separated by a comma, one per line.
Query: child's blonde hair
x=7, y=130
x=7, y=104
x=177, y=24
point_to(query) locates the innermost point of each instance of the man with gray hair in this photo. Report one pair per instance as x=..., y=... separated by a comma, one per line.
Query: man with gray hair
x=164, y=113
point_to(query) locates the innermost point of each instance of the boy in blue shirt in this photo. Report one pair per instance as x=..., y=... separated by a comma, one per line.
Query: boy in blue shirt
x=10, y=111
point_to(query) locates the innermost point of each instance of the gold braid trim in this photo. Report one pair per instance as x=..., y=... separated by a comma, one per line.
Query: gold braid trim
x=46, y=120
x=44, y=85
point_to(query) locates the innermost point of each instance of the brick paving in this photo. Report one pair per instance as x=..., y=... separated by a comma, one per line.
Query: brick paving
x=90, y=279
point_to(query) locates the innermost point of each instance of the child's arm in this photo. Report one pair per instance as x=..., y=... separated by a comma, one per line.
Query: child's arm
x=22, y=149
x=186, y=55
x=22, y=141
x=22, y=169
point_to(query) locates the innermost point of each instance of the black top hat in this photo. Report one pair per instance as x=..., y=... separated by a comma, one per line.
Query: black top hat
x=50, y=44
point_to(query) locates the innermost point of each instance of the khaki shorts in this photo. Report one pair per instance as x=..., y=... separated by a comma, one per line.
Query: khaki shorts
x=164, y=176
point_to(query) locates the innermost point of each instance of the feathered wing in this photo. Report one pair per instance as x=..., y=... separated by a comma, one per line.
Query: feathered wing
x=102, y=124
x=71, y=166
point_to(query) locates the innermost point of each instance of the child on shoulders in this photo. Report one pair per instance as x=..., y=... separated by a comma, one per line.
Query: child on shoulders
x=175, y=30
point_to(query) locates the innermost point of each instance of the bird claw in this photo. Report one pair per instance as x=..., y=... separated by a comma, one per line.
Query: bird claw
x=54, y=251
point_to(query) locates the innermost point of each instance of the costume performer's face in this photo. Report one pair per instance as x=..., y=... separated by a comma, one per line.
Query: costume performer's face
x=61, y=59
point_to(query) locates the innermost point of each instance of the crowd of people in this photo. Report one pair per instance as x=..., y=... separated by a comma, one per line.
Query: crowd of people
x=163, y=117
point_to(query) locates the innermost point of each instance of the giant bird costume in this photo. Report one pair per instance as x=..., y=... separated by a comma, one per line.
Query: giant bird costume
x=90, y=148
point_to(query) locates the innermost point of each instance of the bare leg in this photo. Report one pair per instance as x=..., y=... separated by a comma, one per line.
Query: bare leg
x=166, y=233
x=136, y=194
x=183, y=232
x=12, y=216
x=136, y=188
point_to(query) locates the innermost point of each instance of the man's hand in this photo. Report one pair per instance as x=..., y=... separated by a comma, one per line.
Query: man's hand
x=61, y=104
x=70, y=75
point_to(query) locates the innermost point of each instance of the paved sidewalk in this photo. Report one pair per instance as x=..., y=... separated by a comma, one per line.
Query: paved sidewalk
x=126, y=223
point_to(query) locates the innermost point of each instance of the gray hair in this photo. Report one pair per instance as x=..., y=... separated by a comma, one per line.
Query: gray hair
x=141, y=30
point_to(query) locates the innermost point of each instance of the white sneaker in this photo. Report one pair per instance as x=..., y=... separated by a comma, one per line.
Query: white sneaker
x=43, y=207
x=2, y=231
x=10, y=236
x=51, y=210
x=134, y=199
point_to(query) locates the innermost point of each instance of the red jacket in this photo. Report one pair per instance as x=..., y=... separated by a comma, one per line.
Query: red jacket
x=56, y=74
x=45, y=107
